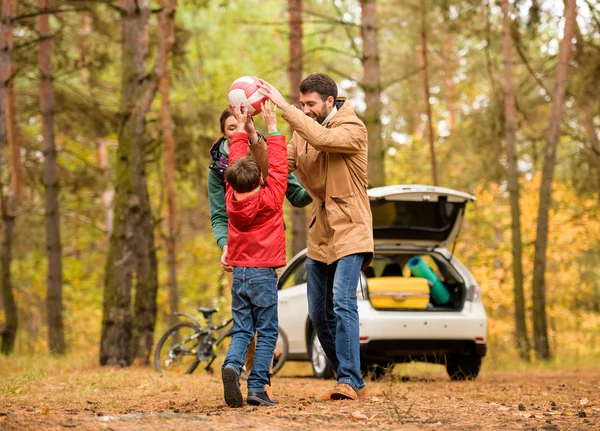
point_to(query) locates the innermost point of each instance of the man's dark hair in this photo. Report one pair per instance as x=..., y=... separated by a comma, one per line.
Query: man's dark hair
x=321, y=84
x=224, y=116
x=243, y=174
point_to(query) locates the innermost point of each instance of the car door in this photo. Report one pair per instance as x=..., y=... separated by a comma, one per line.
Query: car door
x=293, y=305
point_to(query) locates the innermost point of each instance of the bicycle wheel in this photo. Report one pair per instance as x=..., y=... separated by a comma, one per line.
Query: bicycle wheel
x=281, y=351
x=177, y=349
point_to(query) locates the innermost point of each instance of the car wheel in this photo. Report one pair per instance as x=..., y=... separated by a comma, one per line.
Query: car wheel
x=375, y=372
x=463, y=367
x=321, y=366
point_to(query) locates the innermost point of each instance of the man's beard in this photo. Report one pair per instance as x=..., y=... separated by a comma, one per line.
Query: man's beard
x=321, y=115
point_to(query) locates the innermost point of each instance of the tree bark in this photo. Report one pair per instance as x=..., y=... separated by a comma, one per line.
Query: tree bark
x=131, y=261
x=449, y=68
x=8, y=330
x=426, y=91
x=521, y=337
x=12, y=131
x=108, y=192
x=167, y=32
x=371, y=84
x=540, y=329
x=299, y=229
x=54, y=306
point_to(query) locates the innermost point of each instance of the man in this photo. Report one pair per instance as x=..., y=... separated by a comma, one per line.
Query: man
x=328, y=153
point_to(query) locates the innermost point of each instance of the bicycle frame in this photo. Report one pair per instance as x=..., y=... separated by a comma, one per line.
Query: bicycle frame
x=189, y=316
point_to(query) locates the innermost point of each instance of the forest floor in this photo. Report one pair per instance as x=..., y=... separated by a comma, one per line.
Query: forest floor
x=412, y=398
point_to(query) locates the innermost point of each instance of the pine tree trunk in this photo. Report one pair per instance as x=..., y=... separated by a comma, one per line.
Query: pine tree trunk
x=11, y=318
x=299, y=229
x=426, y=91
x=12, y=132
x=8, y=330
x=167, y=32
x=129, y=242
x=108, y=192
x=56, y=337
x=540, y=329
x=371, y=85
x=521, y=337
x=448, y=59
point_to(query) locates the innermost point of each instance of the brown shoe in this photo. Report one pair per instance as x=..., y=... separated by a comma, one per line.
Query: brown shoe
x=269, y=391
x=326, y=396
x=362, y=393
x=343, y=391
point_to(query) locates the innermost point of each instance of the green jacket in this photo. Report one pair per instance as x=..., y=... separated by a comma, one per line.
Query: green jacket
x=295, y=193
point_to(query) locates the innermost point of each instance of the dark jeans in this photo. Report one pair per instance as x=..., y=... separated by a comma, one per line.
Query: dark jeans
x=254, y=309
x=333, y=311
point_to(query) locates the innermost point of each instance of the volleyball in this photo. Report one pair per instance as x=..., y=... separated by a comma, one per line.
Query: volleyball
x=244, y=90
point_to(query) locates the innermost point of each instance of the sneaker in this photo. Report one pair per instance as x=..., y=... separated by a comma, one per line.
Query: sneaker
x=259, y=399
x=343, y=391
x=231, y=387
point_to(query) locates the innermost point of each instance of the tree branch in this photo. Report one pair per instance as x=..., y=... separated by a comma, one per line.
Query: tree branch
x=529, y=68
x=327, y=48
x=49, y=12
x=402, y=78
x=357, y=51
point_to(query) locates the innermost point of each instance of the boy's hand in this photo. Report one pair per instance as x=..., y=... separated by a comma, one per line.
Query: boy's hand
x=249, y=126
x=269, y=116
x=273, y=94
x=241, y=115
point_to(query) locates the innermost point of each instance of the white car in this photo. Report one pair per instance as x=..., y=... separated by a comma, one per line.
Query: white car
x=408, y=221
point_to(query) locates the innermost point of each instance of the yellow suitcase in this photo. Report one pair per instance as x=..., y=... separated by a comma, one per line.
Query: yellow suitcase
x=388, y=293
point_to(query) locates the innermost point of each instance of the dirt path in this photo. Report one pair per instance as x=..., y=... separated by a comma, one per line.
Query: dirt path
x=114, y=399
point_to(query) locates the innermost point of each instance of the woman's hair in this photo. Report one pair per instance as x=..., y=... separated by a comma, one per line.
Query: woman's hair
x=244, y=174
x=224, y=116
x=321, y=84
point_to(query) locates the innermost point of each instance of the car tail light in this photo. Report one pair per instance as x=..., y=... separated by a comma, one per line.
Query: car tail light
x=361, y=289
x=474, y=293
x=479, y=340
x=364, y=339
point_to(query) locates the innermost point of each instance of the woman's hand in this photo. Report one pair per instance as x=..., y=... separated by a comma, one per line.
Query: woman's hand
x=224, y=260
x=273, y=94
x=269, y=116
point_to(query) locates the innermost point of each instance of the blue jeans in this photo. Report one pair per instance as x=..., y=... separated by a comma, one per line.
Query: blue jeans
x=254, y=309
x=333, y=311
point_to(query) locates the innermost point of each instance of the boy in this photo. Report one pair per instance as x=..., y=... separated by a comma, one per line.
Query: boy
x=256, y=247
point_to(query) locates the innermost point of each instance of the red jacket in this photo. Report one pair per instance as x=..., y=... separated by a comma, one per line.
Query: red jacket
x=256, y=232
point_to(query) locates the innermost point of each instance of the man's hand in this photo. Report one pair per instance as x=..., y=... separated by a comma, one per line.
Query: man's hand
x=269, y=116
x=225, y=260
x=273, y=94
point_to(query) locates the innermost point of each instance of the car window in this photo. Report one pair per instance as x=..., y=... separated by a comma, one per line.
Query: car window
x=295, y=277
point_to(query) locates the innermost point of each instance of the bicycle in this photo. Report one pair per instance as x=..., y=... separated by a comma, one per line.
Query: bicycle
x=186, y=344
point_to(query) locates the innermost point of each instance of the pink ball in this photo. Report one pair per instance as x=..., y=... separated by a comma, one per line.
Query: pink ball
x=244, y=90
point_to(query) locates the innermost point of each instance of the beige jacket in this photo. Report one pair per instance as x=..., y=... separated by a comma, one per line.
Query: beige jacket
x=330, y=161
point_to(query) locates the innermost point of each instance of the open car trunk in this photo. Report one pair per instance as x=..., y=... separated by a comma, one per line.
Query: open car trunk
x=411, y=221
x=391, y=285
x=423, y=216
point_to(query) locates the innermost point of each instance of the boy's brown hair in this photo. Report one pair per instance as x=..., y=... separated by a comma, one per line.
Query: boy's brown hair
x=244, y=174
